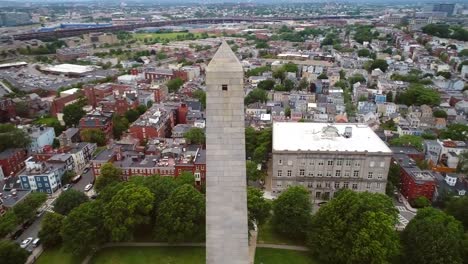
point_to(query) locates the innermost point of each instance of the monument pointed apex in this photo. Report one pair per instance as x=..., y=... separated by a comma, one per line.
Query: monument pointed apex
x=224, y=60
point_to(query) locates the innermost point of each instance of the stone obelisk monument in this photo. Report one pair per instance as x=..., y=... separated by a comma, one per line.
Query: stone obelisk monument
x=226, y=198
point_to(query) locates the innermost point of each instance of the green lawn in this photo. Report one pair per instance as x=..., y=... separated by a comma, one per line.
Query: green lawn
x=155, y=255
x=280, y=256
x=266, y=235
x=58, y=256
x=168, y=35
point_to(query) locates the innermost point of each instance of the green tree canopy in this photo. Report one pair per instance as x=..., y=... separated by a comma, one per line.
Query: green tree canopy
x=109, y=175
x=408, y=141
x=120, y=125
x=421, y=202
x=290, y=67
x=201, y=96
x=174, y=84
x=458, y=208
x=432, y=237
x=182, y=215
x=8, y=223
x=379, y=63
x=12, y=253
x=72, y=114
x=26, y=209
x=303, y=84
x=417, y=94
x=258, y=207
x=279, y=74
x=132, y=115
x=69, y=200
x=50, y=229
x=440, y=113
x=356, y=78
x=130, y=206
x=266, y=84
x=256, y=95
x=364, y=53
x=288, y=85
x=195, y=136
x=292, y=210
x=83, y=229
x=355, y=228
x=93, y=135
x=455, y=132
x=252, y=173
x=12, y=137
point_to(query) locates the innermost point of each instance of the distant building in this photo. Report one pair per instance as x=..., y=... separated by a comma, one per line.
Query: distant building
x=447, y=8
x=11, y=19
x=325, y=158
x=70, y=54
x=451, y=184
x=100, y=38
x=97, y=120
x=155, y=122
x=40, y=137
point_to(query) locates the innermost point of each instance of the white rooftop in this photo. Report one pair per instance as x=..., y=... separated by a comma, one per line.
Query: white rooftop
x=70, y=68
x=288, y=136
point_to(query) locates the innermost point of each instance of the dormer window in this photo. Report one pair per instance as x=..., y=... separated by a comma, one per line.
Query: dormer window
x=224, y=87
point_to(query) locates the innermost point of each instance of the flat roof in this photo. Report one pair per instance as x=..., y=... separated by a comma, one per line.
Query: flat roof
x=288, y=136
x=13, y=64
x=69, y=68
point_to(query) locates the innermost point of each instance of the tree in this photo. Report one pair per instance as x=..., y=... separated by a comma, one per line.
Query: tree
x=130, y=206
x=303, y=84
x=182, y=215
x=8, y=223
x=458, y=208
x=109, y=175
x=72, y=114
x=417, y=94
x=355, y=228
x=26, y=209
x=432, y=237
x=279, y=74
x=195, y=135
x=379, y=63
x=356, y=78
x=408, y=141
x=256, y=95
x=12, y=137
x=50, y=229
x=201, y=96
x=363, y=53
x=51, y=122
x=93, y=135
x=120, y=125
x=266, y=84
x=288, y=85
x=258, y=207
x=421, y=202
x=69, y=200
x=455, y=132
x=174, y=84
x=290, y=67
x=390, y=96
x=141, y=109
x=83, y=229
x=444, y=74
x=292, y=210
x=440, y=113
x=463, y=53
x=12, y=253
x=253, y=174
x=462, y=166
x=322, y=76
x=132, y=115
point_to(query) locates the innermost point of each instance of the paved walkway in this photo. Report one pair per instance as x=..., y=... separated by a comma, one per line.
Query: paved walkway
x=157, y=244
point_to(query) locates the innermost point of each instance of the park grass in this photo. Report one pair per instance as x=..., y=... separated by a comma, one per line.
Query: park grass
x=280, y=256
x=156, y=255
x=266, y=235
x=58, y=256
x=162, y=36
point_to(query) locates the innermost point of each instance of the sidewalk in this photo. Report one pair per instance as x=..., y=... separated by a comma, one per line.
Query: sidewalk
x=35, y=254
x=407, y=204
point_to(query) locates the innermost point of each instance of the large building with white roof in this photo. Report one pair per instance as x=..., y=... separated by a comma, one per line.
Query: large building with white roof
x=325, y=158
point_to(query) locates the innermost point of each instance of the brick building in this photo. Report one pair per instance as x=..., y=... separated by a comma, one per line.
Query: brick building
x=70, y=54
x=97, y=120
x=59, y=103
x=155, y=122
x=162, y=74
x=97, y=93
x=11, y=161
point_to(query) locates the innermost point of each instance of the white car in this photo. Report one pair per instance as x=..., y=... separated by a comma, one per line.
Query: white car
x=66, y=187
x=88, y=187
x=26, y=242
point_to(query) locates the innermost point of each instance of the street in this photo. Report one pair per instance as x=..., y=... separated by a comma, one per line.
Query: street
x=86, y=178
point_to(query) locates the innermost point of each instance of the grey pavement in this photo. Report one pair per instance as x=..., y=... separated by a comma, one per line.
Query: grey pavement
x=86, y=178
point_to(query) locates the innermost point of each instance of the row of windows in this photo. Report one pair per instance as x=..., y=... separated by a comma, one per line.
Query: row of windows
x=338, y=173
x=336, y=185
x=337, y=162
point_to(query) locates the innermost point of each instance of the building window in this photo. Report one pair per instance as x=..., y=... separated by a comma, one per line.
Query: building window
x=357, y=163
x=310, y=185
x=338, y=173
x=319, y=185
x=290, y=163
x=339, y=162
x=46, y=184
x=329, y=174
x=311, y=174
x=330, y=163
x=280, y=173
x=289, y=173
x=379, y=175
x=372, y=164
x=370, y=175
x=348, y=163
x=378, y=185
x=337, y=185
x=327, y=184
x=319, y=174
x=224, y=87
x=280, y=162
x=356, y=173
x=302, y=172
x=312, y=163
x=279, y=184
x=320, y=163
x=354, y=186
x=368, y=185
x=347, y=173
x=39, y=185
x=346, y=185
x=318, y=195
x=303, y=162
x=382, y=164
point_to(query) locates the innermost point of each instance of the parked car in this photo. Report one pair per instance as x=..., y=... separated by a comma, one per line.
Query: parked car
x=66, y=187
x=36, y=242
x=17, y=234
x=86, y=170
x=88, y=187
x=26, y=242
x=76, y=179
